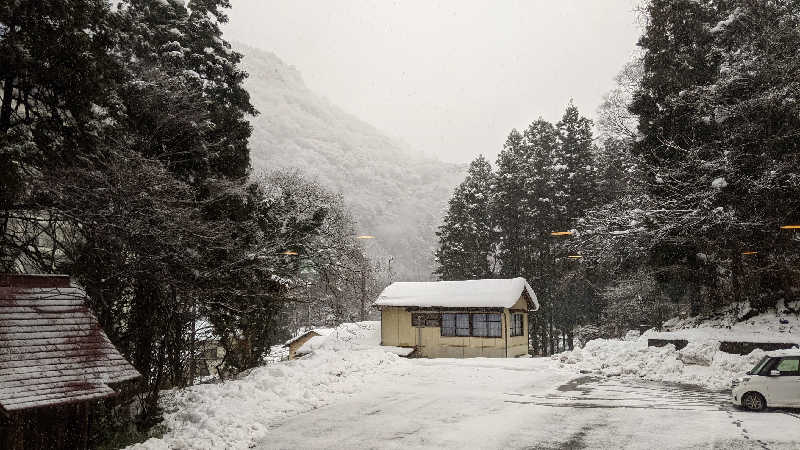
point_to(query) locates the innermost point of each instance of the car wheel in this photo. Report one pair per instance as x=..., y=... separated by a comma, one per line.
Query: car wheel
x=754, y=401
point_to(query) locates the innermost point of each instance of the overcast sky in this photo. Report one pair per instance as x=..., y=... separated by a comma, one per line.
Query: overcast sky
x=451, y=78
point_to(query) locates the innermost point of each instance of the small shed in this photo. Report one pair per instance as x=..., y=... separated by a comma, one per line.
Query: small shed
x=55, y=361
x=296, y=344
x=458, y=319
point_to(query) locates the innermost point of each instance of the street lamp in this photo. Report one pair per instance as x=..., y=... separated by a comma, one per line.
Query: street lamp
x=365, y=236
x=561, y=233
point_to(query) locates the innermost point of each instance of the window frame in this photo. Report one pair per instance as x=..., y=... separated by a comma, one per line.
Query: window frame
x=788, y=373
x=451, y=324
x=460, y=325
x=444, y=328
x=514, y=331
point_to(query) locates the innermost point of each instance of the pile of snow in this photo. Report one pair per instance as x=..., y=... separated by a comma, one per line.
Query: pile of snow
x=238, y=413
x=699, y=353
x=699, y=364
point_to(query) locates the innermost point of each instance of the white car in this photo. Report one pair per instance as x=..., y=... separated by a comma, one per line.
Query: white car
x=773, y=382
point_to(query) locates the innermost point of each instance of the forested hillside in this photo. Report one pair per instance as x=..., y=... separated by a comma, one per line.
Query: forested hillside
x=395, y=194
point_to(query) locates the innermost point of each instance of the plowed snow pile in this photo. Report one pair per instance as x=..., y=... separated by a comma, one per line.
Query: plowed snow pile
x=698, y=363
x=237, y=413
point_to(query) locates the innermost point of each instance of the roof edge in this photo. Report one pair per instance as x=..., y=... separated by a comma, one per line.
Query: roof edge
x=34, y=280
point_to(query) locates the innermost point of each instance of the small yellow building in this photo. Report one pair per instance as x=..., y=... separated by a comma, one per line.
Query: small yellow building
x=458, y=319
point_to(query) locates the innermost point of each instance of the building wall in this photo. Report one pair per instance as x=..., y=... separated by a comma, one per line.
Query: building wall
x=517, y=345
x=396, y=330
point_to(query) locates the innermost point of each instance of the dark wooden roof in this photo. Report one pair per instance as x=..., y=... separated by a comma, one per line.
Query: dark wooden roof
x=52, y=349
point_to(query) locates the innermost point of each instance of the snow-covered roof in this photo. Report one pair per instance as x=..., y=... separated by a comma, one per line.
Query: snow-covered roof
x=312, y=344
x=300, y=336
x=52, y=349
x=493, y=293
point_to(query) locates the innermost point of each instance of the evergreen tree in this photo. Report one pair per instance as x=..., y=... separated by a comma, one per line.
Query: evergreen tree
x=467, y=237
x=573, y=171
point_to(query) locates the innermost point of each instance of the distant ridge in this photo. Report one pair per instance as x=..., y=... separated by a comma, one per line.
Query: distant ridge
x=396, y=194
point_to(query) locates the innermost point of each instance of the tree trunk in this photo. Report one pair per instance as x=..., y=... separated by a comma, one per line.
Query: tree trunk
x=5, y=106
x=363, y=295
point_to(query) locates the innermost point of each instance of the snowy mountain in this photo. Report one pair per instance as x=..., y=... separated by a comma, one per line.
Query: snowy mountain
x=394, y=193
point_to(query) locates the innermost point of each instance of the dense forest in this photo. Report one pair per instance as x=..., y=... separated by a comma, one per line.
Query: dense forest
x=125, y=163
x=681, y=198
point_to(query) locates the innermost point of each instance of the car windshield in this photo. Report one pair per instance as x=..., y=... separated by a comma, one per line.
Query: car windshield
x=760, y=365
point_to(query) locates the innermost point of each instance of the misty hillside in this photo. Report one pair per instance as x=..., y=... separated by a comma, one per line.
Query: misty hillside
x=394, y=193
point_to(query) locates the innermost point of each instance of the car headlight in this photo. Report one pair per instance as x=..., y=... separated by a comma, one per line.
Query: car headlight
x=738, y=381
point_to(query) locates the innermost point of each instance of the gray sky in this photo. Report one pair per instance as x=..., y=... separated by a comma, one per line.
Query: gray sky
x=451, y=78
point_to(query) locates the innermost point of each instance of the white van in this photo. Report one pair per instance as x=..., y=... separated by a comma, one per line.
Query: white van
x=774, y=382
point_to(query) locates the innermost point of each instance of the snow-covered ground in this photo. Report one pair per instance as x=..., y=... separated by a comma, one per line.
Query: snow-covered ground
x=526, y=404
x=236, y=413
x=738, y=323
x=700, y=362
x=352, y=393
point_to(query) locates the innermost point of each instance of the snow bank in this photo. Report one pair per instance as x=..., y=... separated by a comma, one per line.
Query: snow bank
x=238, y=413
x=710, y=368
x=705, y=334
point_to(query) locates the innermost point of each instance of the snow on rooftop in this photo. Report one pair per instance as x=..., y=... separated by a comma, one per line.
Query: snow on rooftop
x=469, y=293
x=314, y=343
x=52, y=349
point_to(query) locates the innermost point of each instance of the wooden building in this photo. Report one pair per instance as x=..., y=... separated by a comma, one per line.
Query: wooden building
x=55, y=363
x=458, y=319
x=296, y=344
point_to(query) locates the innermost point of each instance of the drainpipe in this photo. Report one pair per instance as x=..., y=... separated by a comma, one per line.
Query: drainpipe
x=505, y=330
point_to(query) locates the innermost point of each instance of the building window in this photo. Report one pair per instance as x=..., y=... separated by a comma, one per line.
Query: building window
x=425, y=320
x=478, y=325
x=462, y=324
x=448, y=324
x=517, y=325
x=455, y=324
x=487, y=325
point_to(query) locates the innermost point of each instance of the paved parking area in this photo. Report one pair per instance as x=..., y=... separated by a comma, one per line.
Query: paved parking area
x=532, y=404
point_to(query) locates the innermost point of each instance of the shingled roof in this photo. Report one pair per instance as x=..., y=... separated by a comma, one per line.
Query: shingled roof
x=52, y=349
